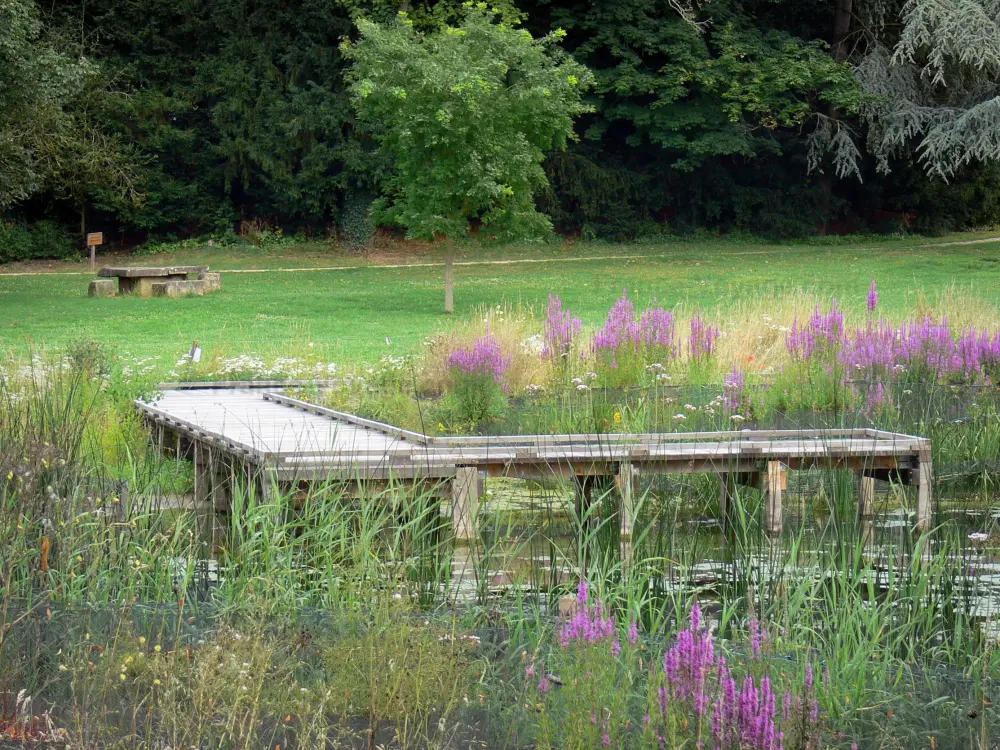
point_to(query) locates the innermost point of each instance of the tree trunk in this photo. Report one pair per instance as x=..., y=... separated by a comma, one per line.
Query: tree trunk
x=449, y=278
x=838, y=47
x=841, y=29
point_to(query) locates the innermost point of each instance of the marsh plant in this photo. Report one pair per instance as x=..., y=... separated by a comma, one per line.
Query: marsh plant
x=324, y=615
x=602, y=686
x=479, y=387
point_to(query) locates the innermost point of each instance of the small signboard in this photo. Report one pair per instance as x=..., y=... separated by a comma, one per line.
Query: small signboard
x=93, y=240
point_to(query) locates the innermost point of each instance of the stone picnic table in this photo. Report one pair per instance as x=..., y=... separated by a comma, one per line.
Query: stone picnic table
x=155, y=281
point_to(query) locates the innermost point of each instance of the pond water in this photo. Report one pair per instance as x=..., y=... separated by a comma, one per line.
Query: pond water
x=530, y=541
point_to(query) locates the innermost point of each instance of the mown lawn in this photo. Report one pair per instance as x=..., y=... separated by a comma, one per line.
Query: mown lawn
x=364, y=307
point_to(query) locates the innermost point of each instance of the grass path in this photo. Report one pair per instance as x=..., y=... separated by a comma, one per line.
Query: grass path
x=347, y=307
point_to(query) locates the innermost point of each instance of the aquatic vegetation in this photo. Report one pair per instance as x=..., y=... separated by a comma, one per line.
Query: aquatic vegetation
x=322, y=612
x=627, y=343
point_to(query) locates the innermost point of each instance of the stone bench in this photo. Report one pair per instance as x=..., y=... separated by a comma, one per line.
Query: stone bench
x=179, y=288
x=155, y=281
x=102, y=288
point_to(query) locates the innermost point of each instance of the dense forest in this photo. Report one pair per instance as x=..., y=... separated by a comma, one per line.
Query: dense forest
x=158, y=119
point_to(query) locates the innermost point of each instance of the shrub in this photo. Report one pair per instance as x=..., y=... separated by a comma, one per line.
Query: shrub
x=43, y=239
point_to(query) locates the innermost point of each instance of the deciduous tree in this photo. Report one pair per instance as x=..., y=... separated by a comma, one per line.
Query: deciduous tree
x=466, y=114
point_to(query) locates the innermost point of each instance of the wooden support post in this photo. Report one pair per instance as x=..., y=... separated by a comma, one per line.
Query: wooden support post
x=269, y=489
x=772, y=482
x=202, y=475
x=465, y=502
x=627, y=485
x=866, y=496
x=925, y=479
x=222, y=485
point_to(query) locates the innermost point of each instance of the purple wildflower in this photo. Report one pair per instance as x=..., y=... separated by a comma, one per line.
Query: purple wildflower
x=589, y=624
x=733, y=387
x=561, y=329
x=756, y=637
x=485, y=358
x=624, y=334
x=633, y=633
x=703, y=338
x=872, y=297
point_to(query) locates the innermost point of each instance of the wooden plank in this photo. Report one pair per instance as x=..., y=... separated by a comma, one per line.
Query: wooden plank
x=201, y=385
x=348, y=418
x=300, y=439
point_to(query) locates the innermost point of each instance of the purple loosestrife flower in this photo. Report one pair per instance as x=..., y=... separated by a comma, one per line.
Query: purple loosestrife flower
x=589, y=624
x=623, y=334
x=561, y=329
x=633, y=633
x=872, y=297
x=619, y=330
x=756, y=637
x=823, y=334
x=733, y=387
x=485, y=358
x=657, y=329
x=703, y=338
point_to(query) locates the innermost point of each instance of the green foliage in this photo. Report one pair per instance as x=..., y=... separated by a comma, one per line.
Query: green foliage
x=473, y=402
x=356, y=223
x=466, y=114
x=48, y=137
x=42, y=239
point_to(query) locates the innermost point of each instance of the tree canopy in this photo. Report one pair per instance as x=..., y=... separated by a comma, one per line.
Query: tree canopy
x=465, y=114
x=48, y=136
x=768, y=116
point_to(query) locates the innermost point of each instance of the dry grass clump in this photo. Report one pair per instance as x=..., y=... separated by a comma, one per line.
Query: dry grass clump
x=753, y=330
x=518, y=333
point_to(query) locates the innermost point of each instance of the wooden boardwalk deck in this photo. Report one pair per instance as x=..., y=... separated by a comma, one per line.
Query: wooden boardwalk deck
x=290, y=442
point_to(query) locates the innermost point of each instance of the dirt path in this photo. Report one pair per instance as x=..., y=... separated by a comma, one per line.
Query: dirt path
x=484, y=262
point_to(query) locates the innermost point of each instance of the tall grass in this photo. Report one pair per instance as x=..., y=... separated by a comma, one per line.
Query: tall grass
x=309, y=617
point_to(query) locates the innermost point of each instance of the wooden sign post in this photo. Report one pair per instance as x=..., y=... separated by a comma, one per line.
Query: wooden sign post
x=93, y=240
